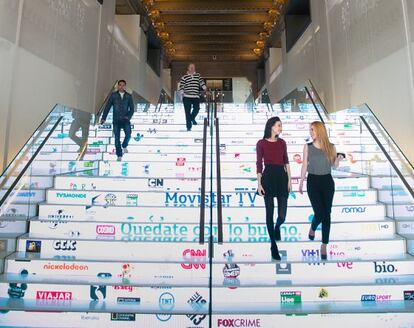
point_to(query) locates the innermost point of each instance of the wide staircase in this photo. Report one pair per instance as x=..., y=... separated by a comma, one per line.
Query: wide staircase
x=174, y=235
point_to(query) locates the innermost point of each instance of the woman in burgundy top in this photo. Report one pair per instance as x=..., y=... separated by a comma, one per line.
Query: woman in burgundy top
x=275, y=180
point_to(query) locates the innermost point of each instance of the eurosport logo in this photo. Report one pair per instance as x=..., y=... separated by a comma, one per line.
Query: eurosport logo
x=376, y=298
x=105, y=229
x=53, y=295
x=354, y=209
x=70, y=195
x=239, y=323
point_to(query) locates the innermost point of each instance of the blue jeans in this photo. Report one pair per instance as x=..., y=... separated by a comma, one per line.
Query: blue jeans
x=117, y=126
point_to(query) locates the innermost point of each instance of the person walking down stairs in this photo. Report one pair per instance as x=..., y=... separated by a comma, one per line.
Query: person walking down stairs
x=123, y=109
x=275, y=180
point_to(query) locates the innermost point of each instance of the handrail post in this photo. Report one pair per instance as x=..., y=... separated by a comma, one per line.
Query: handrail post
x=218, y=196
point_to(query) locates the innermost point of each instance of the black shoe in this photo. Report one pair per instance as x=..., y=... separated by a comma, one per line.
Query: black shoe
x=311, y=237
x=275, y=253
x=194, y=122
x=324, y=257
x=278, y=237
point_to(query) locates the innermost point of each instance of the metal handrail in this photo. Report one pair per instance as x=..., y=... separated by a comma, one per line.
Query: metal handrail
x=16, y=181
x=314, y=105
x=31, y=136
x=101, y=108
x=218, y=172
x=384, y=151
x=394, y=166
x=203, y=183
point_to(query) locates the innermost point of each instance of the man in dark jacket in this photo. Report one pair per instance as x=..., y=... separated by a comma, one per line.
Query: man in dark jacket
x=123, y=109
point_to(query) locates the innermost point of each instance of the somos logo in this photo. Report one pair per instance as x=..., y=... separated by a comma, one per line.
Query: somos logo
x=354, y=209
x=238, y=323
x=192, y=255
x=105, y=229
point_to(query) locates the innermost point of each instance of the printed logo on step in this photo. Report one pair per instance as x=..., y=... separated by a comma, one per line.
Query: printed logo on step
x=123, y=317
x=16, y=290
x=375, y=298
x=132, y=199
x=383, y=267
x=197, y=302
x=180, y=161
x=110, y=199
x=138, y=137
x=128, y=300
x=105, y=230
x=166, y=302
x=97, y=293
x=291, y=297
x=193, y=256
x=297, y=158
x=33, y=246
x=53, y=295
x=251, y=323
x=283, y=267
x=64, y=245
x=231, y=271
x=354, y=209
x=155, y=183
x=323, y=293
x=408, y=295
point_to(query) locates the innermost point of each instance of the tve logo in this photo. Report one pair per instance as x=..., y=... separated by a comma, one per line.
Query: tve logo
x=193, y=255
x=238, y=323
x=105, y=229
x=52, y=295
x=384, y=267
x=64, y=245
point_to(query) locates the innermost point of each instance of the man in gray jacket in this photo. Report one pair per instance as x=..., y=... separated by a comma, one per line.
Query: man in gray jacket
x=123, y=109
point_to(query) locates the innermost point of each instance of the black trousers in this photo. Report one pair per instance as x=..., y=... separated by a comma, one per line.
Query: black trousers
x=191, y=115
x=118, y=126
x=281, y=216
x=321, y=190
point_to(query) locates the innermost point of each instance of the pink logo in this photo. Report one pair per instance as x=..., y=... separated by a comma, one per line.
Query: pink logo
x=105, y=229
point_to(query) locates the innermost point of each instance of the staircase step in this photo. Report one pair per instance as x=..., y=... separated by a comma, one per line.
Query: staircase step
x=349, y=248
x=168, y=231
x=189, y=214
x=184, y=198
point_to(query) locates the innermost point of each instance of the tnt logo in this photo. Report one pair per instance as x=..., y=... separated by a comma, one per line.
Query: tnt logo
x=192, y=255
x=384, y=268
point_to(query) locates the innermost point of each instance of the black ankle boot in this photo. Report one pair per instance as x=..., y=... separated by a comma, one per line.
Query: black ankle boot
x=275, y=253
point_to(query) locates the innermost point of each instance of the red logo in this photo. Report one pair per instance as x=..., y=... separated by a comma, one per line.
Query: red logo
x=180, y=161
x=194, y=255
x=50, y=295
x=105, y=229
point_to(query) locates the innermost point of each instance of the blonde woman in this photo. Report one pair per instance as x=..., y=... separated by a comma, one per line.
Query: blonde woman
x=319, y=157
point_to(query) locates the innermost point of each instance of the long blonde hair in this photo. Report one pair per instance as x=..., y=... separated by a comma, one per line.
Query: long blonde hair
x=326, y=146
